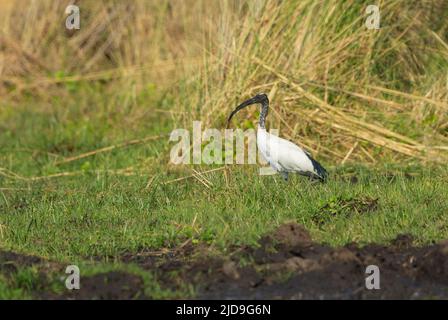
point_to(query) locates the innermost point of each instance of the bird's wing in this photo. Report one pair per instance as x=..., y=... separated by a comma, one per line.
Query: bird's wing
x=307, y=152
x=304, y=150
x=293, y=158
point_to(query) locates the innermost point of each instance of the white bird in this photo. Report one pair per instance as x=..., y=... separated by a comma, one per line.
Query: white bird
x=282, y=155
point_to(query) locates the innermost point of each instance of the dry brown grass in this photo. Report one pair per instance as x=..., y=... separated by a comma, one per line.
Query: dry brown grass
x=345, y=92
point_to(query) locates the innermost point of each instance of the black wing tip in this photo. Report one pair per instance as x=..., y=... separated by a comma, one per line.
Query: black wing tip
x=319, y=170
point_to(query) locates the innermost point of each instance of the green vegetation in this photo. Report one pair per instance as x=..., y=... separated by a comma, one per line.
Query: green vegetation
x=99, y=212
x=371, y=104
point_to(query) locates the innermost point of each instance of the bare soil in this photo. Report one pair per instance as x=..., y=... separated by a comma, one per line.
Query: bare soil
x=287, y=264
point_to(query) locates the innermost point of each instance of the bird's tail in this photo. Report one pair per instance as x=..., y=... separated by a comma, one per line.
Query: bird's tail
x=321, y=173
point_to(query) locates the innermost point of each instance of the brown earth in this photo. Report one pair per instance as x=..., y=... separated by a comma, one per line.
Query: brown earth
x=287, y=264
x=107, y=286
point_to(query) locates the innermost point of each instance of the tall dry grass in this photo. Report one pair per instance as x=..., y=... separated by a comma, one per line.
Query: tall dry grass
x=337, y=88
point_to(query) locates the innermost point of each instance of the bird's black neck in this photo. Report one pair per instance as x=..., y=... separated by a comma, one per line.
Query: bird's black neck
x=263, y=113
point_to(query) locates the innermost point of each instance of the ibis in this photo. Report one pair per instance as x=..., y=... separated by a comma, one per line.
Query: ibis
x=282, y=155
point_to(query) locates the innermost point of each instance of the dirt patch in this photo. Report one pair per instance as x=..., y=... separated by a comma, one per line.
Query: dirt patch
x=289, y=234
x=107, y=286
x=286, y=264
x=11, y=262
x=289, y=265
x=111, y=285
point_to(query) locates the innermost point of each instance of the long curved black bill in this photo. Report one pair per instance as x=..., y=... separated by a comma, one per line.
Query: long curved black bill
x=257, y=99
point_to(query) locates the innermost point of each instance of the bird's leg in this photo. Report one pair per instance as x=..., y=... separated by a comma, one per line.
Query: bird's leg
x=284, y=175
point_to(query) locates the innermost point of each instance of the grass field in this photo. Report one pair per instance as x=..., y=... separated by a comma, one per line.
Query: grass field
x=85, y=177
x=102, y=212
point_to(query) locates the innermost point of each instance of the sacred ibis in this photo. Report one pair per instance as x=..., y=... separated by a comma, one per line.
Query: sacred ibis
x=282, y=155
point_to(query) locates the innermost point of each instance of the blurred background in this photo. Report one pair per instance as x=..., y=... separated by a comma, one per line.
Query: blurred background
x=85, y=119
x=344, y=92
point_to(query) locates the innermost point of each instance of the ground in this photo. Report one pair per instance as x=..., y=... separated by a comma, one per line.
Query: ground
x=138, y=231
x=85, y=176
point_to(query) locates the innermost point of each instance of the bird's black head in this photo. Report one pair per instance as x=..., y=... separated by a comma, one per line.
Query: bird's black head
x=259, y=98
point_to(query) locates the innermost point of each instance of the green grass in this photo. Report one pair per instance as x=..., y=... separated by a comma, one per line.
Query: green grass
x=171, y=64
x=106, y=215
x=96, y=215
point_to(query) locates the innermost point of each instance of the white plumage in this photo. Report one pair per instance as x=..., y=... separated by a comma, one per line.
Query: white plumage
x=282, y=155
